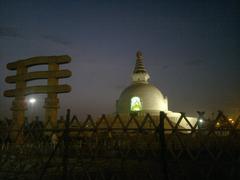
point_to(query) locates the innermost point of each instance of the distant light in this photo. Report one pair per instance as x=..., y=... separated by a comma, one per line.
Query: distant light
x=32, y=100
x=218, y=124
x=231, y=120
x=200, y=120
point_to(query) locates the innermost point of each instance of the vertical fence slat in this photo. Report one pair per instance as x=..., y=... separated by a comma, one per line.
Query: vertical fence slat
x=66, y=146
x=163, y=148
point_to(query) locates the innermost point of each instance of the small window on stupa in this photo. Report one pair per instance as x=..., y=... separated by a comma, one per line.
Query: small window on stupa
x=136, y=104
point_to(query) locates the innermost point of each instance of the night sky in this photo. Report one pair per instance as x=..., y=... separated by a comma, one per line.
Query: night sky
x=191, y=49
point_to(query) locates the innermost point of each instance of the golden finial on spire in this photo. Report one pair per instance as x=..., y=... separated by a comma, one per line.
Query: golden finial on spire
x=139, y=55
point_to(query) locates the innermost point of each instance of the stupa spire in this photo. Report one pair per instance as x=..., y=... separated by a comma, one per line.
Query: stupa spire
x=140, y=74
x=139, y=67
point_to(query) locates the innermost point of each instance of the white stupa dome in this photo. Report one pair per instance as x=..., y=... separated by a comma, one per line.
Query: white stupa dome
x=141, y=96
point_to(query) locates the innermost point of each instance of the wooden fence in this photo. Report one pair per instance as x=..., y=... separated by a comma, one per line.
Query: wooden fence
x=110, y=148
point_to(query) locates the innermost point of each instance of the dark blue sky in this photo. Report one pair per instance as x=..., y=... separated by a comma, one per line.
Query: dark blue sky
x=191, y=49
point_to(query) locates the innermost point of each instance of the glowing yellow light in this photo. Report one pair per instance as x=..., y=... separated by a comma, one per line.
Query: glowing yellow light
x=136, y=104
x=232, y=121
x=218, y=124
x=32, y=100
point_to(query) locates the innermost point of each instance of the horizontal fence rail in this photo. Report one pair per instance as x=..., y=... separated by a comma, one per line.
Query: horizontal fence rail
x=117, y=147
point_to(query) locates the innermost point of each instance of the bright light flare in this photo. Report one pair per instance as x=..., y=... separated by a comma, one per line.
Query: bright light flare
x=32, y=100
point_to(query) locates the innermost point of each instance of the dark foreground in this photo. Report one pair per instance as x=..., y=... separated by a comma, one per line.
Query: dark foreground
x=112, y=150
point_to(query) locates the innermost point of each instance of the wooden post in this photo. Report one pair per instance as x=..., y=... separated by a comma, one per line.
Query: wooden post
x=163, y=148
x=66, y=146
x=52, y=102
x=19, y=106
